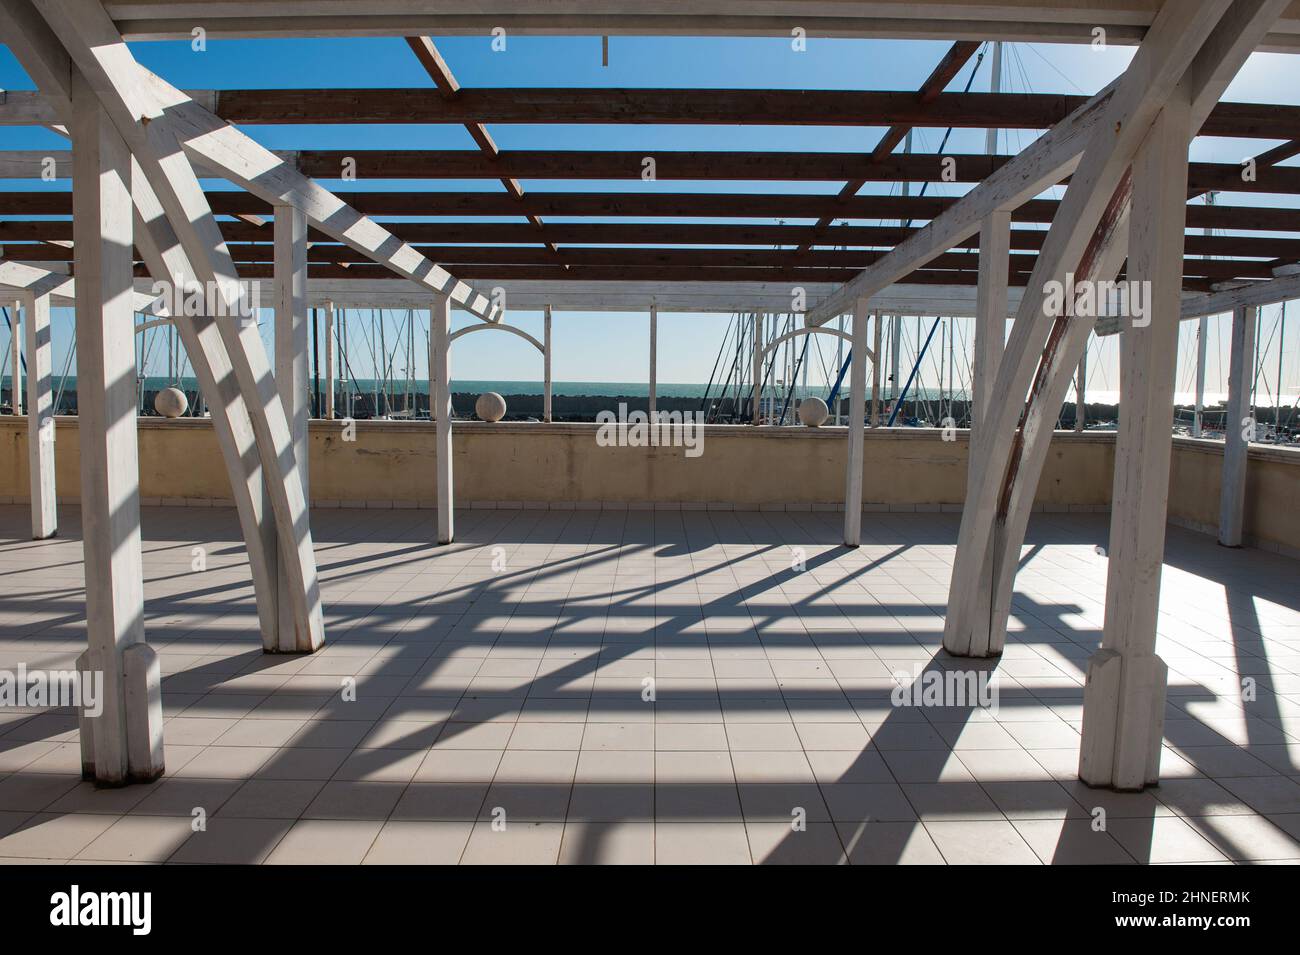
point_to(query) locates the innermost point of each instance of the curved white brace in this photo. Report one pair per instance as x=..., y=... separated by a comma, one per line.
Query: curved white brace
x=505, y=328
x=818, y=330
x=145, y=326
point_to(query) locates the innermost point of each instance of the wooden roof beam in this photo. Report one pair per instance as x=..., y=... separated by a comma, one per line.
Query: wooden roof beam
x=956, y=57
x=427, y=53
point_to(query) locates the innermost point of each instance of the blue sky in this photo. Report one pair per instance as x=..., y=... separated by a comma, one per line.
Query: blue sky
x=612, y=347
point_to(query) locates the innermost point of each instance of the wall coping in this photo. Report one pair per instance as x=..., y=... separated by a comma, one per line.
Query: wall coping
x=1278, y=453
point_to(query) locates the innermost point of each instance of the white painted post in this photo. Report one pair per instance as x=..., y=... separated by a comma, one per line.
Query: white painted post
x=15, y=358
x=990, y=312
x=876, y=319
x=1198, y=417
x=1124, y=697
x=329, y=360
x=124, y=742
x=440, y=392
x=546, y=365
x=757, y=369
x=40, y=416
x=291, y=342
x=990, y=342
x=857, y=411
x=1237, y=427
x=1081, y=393
x=654, y=360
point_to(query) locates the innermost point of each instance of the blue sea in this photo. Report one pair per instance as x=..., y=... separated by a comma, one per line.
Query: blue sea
x=602, y=389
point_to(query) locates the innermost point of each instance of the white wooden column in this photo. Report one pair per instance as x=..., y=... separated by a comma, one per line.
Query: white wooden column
x=990, y=312
x=15, y=357
x=201, y=337
x=40, y=416
x=329, y=360
x=291, y=343
x=990, y=341
x=1236, y=447
x=757, y=369
x=1090, y=202
x=857, y=412
x=654, y=360
x=440, y=395
x=1124, y=698
x=1081, y=393
x=124, y=742
x=546, y=364
x=173, y=211
x=875, y=370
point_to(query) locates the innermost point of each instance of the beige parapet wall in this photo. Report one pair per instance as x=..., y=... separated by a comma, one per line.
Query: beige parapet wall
x=515, y=464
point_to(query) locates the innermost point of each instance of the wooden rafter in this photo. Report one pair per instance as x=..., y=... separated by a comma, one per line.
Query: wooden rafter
x=676, y=205
x=445, y=81
x=951, y=64
x=929, y=107
x=850, y=241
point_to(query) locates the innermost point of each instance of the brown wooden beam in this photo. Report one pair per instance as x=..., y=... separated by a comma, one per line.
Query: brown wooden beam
x=451, y=91
x=956, y=57
x=718, y=166
x=724, y=107
x=676, y=205
x=623, y=273
x=619, y=233
x=626, y=273
x=698, y=264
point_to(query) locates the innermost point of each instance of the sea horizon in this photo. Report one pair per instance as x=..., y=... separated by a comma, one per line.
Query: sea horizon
x=635, y=389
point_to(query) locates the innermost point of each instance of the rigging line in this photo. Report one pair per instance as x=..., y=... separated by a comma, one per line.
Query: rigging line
x=902, y=396
x=736, y=375
x=1260, y=357
x=794, y=375
x=821, y=359
x=399, y=342
x=944, y=142
x=390, y=367
x=724, y=390
x=1292, y=410
x=1020, y=67
x=1186, y=345
x=839, y=380
x=1100, y=365
x=22, y=355
x=1028, y=88
x=1032, y=49
x=63, y=379
x=1218, y=353
x=367, y=336
x=704, y=402
x=730, y=391
x=343, y=354
x=151, y=341
x=182, y=363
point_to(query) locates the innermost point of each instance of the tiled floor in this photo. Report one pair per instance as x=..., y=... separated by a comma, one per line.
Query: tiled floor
x=635, y=686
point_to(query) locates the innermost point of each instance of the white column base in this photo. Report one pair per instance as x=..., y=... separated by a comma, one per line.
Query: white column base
x=1123, y=721
x=134, y=701
x=982, y=636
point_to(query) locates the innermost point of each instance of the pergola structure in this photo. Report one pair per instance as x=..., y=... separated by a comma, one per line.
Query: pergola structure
x=137, y=210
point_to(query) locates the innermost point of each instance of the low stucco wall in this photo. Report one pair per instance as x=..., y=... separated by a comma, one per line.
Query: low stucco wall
x=391, y=463
x=1272, y=491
